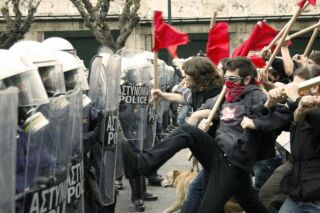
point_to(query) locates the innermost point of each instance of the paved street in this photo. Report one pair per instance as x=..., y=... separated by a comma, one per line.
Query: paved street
x=166, y=195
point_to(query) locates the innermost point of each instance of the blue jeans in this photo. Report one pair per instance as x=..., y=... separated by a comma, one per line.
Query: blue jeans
x=291, y=206
x=183, y=114
x=194, y=195
x=264, y=169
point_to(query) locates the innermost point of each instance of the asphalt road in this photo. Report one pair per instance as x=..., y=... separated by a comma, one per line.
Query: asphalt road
x=166, y=195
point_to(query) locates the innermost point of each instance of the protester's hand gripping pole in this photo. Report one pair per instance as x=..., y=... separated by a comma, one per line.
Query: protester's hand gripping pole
x=217, y=105
x=284, y=36
x=311, y=41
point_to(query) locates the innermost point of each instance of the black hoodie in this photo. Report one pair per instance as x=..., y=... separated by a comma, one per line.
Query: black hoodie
x=243, y=147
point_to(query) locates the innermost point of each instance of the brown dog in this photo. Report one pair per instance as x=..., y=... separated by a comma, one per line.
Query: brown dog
x=180, y=180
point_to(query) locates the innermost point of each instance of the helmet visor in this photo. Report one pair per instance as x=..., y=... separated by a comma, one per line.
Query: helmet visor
x=31, y=89
x=53, y=79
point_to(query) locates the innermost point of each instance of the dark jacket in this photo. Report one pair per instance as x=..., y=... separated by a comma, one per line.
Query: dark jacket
x=244, y=147
x=303, y=182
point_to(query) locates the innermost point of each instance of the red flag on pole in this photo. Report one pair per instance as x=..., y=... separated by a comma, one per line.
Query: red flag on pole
x=302, y=2
x=218, y=42
x=165, y=36
x=261, y=35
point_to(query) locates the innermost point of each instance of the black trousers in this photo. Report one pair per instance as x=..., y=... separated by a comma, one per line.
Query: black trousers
x=223, y=181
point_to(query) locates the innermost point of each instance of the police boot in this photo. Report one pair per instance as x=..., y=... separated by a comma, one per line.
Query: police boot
x=137, y=193
x=147, y=196
x=155, y=179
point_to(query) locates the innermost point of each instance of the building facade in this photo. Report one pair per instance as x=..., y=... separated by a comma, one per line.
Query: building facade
x=61, y=18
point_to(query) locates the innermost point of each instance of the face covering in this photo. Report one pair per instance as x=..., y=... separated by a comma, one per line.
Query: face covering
x=233, y=90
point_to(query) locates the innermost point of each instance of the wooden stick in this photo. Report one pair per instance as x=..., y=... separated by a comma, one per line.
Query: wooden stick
x=213, y=19
x=285, y=33
x=309, y=83
x=299, y=33
x=155, y=68
x=155, y=76
x=311, y=41
x=217, y=104
x=273, y=42
x=277, y=37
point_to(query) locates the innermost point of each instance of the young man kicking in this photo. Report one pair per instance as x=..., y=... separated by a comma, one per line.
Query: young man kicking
x=229, y=155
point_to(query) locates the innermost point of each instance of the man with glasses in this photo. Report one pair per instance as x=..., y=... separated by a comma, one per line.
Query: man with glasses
x=228, y=155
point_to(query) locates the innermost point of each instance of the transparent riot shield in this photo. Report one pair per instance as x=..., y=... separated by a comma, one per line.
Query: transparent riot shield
x=104, y=92
x=135, y=92
x=149, y=140
x=75, y=199
x=47, y=159
x=8, y=132
x=105, y=49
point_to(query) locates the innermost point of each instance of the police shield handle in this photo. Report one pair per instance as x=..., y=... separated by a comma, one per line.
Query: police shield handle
x=283, y=37
x=155, y=77
x=217, y=104
x=311, y=41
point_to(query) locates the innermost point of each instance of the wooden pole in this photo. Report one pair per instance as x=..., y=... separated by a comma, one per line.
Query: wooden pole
x=273, y=42
x=311, y=41
x=217, y=104
x=277, y=37
x=155, y=68
x=309, y=83
x=285, y=33
x=299, y=33
x=213, y=19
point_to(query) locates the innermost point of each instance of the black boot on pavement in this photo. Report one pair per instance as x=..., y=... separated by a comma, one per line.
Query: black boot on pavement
x=147, y=196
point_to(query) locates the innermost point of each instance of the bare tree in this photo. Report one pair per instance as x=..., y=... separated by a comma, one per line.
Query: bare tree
x=16, y=24
x=95, y=18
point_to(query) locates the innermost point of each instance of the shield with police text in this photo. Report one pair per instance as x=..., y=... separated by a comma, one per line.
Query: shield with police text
x=8, y=132
x=104, y=92
x=135, y=87
x=47, y=158
x=75, y=199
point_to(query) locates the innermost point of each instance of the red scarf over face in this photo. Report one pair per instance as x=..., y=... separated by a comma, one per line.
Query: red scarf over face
x=233, y=90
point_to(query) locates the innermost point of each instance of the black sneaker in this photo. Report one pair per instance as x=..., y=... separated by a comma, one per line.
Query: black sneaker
x=130, y=161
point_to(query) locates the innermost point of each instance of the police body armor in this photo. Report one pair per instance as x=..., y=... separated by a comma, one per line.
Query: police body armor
x=8, y=132
x=104, y=93
x=48, y=156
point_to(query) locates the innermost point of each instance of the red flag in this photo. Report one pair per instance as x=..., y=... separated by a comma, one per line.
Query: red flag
x=261, y=35
x=218, y=42
x=302, y=2
x=257, y=61
x=165, y=36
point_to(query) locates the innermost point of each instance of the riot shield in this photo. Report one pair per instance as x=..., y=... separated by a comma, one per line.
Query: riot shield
x=105, y=49
x=149, y=140
x=47, y=160
x=104, y=92
x=75, y=199
x=134, y=97
x=8, y=131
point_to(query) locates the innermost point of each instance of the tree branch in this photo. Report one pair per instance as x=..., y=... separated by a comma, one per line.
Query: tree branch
x=104, y=9
x=127, y=22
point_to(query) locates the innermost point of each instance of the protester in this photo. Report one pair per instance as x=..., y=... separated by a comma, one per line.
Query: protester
x=228, y=158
